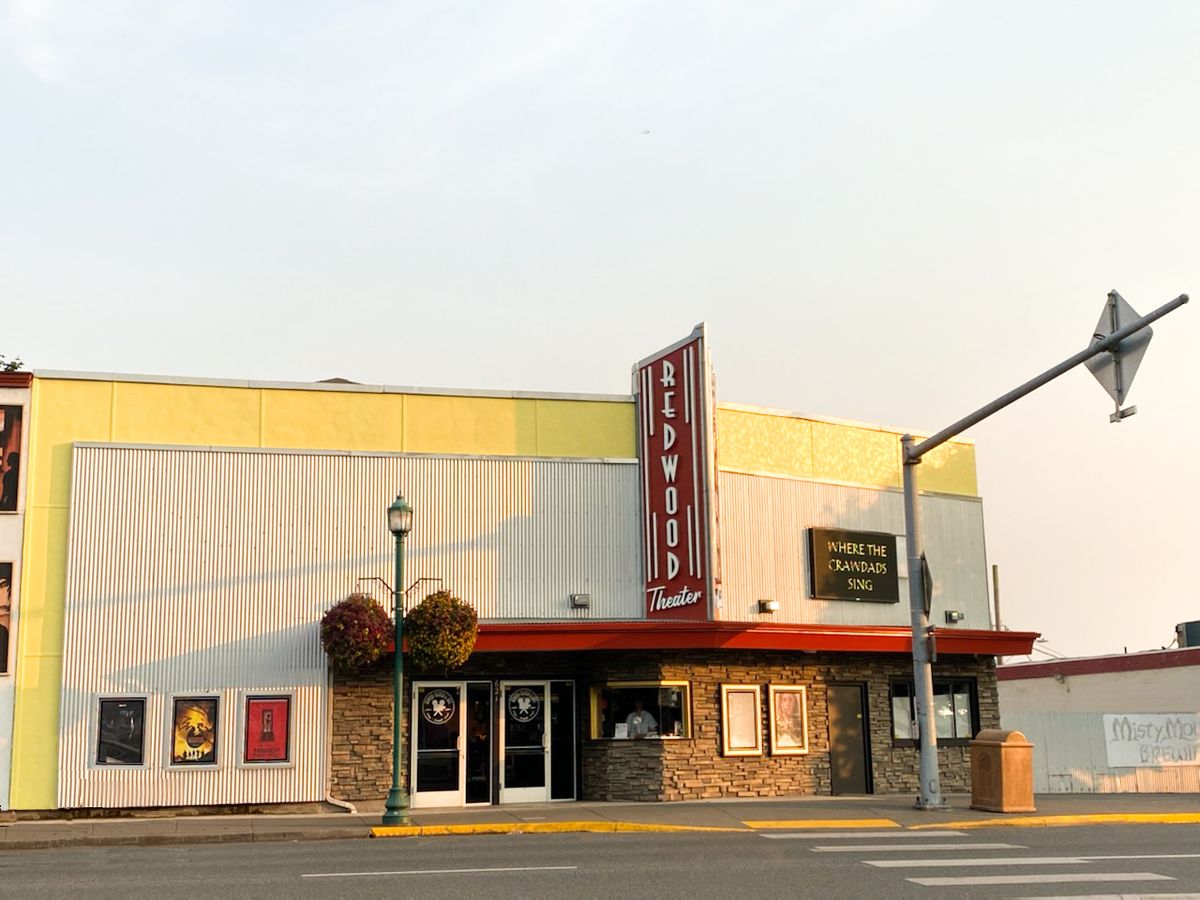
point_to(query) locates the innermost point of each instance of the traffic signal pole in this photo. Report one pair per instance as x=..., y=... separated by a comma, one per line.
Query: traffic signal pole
x=930, y=796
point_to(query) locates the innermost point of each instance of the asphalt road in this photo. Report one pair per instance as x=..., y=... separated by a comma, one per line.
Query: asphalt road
x=1143, y=860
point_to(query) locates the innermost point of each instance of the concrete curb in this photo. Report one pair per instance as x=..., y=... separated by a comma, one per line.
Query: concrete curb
x=384, y=831
x=169, y=840
x=1053, y=821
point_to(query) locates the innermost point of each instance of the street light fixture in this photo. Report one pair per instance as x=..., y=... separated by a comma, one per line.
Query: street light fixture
x=400, y=516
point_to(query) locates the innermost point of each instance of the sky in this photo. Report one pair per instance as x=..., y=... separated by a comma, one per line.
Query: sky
x=890, y=212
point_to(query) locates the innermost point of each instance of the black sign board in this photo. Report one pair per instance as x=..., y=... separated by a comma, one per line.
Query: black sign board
x=852, y=565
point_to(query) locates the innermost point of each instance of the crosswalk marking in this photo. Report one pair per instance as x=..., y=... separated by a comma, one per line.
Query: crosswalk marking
x=919, y=844
x=844, y=835
x=1031, y=878
x=883, y=848
x=979, y=861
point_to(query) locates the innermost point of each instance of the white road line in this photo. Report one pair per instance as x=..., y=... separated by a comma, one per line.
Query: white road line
x=880, y=848
x=442, y=871
x=830, y=835
x=1149, y=856
x=1056, y=878
x=980, y=861
x=1017, y=860
x=1136, y=896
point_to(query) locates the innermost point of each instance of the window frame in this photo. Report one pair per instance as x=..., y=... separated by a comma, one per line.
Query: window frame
x=949, y=682
x=596, y=730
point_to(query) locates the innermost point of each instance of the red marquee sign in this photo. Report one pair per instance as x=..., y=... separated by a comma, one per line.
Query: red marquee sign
x=675, y=410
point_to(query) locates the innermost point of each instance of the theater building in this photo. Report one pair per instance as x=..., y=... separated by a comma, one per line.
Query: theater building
x=678, y=598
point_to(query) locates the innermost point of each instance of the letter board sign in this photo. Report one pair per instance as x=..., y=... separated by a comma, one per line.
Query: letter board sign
x=675, y=409
x=852, y=565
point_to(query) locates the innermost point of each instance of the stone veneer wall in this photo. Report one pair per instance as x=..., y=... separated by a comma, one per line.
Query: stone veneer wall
x=676, y=769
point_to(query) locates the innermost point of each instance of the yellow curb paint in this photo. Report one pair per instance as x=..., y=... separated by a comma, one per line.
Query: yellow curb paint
x=1051, y=821
x=534, y=828
x=821, y=823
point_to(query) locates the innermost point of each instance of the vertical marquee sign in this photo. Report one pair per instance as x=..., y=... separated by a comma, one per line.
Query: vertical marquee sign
x=675, y=425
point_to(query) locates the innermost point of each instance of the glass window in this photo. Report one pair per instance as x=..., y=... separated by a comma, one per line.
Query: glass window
x=635, y=710
x=954, y=710
x=903, y=725
x=122, y=733
x=962, y=712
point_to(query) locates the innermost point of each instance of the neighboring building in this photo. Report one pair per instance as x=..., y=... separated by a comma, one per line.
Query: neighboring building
x=183, y=538
x=1125, y=723
x=14, y=406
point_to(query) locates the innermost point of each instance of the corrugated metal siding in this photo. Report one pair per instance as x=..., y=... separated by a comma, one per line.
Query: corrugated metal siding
x=208, y=571
x=764, y=555
x=1069, y=757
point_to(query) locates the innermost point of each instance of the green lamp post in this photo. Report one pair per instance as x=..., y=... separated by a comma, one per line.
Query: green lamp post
x=399, y=523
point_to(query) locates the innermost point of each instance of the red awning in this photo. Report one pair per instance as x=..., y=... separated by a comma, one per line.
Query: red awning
x=543, y=636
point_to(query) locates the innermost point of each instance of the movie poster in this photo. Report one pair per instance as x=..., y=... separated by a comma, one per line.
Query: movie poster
x=6, y=577
x=10, y=457
x=194, y=737
x=122, y=732
x=267, y=729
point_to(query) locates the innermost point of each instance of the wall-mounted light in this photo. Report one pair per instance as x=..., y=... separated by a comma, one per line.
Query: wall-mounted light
x=581, y=601
x=768, y=606
x=953, y=617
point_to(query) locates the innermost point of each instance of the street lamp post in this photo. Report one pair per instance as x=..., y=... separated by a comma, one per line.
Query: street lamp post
x=399, y=523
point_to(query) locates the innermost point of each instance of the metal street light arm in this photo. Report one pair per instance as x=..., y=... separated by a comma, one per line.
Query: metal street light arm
x=916, y=451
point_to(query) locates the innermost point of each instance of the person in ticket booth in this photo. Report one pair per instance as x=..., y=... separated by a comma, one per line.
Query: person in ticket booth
x=640, y=723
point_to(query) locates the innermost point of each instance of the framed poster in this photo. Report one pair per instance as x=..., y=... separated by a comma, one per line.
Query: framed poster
x=194, y=731
x=10, y=457
x=788, y=709
x=121, y=737
x=268, y=730
x=741, y=720
x=6, y=577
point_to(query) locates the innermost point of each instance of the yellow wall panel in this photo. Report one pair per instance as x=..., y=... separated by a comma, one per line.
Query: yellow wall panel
x=758, y=442
x=185, y=414
x=855, y=455
x=949, y=469
x=333, y=420
x=780, y=444
x=571, y=428
x=62, y=412
x=39, y=660
x=484, y=425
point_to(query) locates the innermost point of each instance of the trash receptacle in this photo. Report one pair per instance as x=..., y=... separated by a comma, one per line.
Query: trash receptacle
x=1001, y=772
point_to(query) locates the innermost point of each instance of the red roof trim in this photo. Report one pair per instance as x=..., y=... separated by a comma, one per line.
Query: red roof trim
x=16, y=379
x=1098, y=665
x=543, y=636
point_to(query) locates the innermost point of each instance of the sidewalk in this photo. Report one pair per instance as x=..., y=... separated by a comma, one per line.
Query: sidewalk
x=726, y=815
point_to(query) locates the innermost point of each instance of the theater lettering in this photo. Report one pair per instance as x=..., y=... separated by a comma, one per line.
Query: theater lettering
x=673, y=425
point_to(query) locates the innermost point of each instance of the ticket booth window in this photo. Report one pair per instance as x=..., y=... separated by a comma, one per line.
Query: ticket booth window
x=641, y=710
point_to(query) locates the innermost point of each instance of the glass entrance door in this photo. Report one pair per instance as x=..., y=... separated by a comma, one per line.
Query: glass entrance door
x=524, y=741
x=437, y=758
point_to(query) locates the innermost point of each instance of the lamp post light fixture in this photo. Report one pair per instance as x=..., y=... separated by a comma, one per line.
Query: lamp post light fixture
x=399, y=523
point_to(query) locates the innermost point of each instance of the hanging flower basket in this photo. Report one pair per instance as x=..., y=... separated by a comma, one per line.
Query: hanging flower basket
x=440, y=632
x=355, y=633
